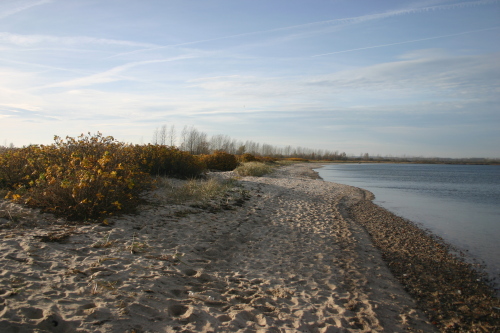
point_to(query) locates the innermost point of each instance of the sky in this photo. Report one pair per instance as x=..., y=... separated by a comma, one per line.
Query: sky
x=385, y=77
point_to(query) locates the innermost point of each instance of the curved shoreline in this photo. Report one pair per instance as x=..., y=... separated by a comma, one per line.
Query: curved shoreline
x=452, y=293
x=449, y=202
x=293, y=256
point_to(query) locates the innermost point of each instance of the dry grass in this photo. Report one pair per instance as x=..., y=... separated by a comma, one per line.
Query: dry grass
x=195, y=191
x=256, y=169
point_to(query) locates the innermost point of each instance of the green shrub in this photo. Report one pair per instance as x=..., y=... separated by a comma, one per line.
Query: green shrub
x=256, y=169
x=220, y=161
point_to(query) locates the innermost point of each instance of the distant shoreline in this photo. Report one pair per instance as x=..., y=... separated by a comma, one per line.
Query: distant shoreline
x=408, y=162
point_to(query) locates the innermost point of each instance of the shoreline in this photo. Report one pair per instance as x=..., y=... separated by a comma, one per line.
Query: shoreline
x=294, y=256
x=448, y=287
x=465, y=217
x=484, y=266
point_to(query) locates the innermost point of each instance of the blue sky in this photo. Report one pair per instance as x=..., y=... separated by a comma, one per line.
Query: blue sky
x=415, y=78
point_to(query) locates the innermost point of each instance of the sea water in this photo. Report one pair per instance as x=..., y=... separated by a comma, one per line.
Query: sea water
x=460, y=203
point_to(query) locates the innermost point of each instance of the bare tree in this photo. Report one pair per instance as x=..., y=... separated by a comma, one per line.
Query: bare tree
x=219, y=142
x=162, y=135
x=172, y=136
x=184, y=135
x=194, y=141
x=267, y=150
x=287, y=151
x=252, y=147
x=241, y=149
x=197, y=142
x=154, y=140
x=202, y=144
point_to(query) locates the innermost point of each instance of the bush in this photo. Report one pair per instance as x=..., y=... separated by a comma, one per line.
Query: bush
x=256, y=169
x=18, y=167
x=220, y=161
x=158, y=160
x=268, y=159
x=80, y=179
x=90, y=177
x=247, y=158
x=296, y=159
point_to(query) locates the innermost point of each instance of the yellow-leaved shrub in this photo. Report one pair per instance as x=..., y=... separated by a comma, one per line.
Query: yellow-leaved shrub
x=85, y=178
x=247, y=157
x=90, y=177
x=220, y=161
x=159, y=160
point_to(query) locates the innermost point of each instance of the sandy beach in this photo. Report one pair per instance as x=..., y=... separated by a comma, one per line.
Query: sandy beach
x=287, y=252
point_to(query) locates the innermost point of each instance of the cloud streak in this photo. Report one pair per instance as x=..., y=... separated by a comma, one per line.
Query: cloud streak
x=25, y=63
x=425, y=77
x=111, y=75
x=335, y=22
x=23, y=7
x=405, y=42
x=28, y=40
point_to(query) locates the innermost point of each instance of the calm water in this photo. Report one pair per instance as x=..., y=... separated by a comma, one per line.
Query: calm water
x=460, y=203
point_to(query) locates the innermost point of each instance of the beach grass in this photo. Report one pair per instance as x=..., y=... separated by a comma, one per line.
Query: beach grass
x=256, y=169
x=201, y=191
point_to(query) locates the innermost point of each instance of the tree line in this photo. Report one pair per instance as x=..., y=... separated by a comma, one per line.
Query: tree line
x=196, y=142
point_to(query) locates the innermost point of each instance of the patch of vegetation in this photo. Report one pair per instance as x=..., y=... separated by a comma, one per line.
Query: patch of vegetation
x=194, y=191
x=256, y=169
x=84, y=178
x=247, y=158
x=158, y=160
x=89, y=177
x=220, y=161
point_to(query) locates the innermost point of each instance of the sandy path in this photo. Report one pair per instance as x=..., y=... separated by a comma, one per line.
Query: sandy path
x=287, y=260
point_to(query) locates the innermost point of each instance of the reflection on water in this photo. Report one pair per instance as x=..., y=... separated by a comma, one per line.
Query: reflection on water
x=460, y=203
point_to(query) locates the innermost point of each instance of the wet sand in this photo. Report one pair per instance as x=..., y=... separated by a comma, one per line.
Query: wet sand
x=286, y=253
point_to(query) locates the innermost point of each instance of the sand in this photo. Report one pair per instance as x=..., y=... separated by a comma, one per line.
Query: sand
x=285, y=254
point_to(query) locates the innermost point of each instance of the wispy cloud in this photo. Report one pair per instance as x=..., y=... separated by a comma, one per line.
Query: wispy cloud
x=36, y=65
x=405, y=42
x=19, y=6
x=29, y=40
x=325, y=23
x=113, y=74
x=428, y=76
x=429, y=73
x=19, y=106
